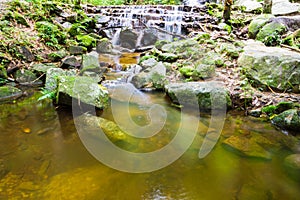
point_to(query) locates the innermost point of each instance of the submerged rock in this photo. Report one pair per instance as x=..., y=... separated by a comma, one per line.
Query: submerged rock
x=271, y=66
x=289, y=120
x=208, y=95
x=292, y=166
x=8, y=93
x=249, y=147
x=82, y=88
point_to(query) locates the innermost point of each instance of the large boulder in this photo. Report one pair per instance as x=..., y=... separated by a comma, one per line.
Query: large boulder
x=284, y=7
x=8, y=93
x=271, y=66
x=149, y=37
x=208, y=95
x=128, y=39
x=248, y=147
x=52, y=75
x=289, y=120
x=81, y=88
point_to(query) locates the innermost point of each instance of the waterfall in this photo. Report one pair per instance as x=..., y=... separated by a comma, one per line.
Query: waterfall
x=194, y=2
x=115, y=39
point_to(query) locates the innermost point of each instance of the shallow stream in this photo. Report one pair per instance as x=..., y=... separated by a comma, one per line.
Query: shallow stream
x=42, y=157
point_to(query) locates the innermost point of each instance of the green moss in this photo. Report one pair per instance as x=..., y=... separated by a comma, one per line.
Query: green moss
x=187, y=71
x=86, y=41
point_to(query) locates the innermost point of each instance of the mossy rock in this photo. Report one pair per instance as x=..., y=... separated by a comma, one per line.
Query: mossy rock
x=3, y=72
x=57, y=55
x=27, y=77
x=18, y=17
x=247, y=147
x=104, y=45
x=82, y=88
x=257, y=23
x=203, y=71
x=288, y=120
x=279, y=108
x=167, y=57
x=8, y=93
x=187, y=71
x=271, y=29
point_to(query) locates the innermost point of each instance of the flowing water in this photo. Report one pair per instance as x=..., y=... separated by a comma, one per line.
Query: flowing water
x=42, y=157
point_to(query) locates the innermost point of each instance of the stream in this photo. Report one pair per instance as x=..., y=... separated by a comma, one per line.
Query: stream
x=42, y=157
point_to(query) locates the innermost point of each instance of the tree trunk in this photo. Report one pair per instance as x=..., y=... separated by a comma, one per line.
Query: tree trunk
x=227, y=10
x=267, y=8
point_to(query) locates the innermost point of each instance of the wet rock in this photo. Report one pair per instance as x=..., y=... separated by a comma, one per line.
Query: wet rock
x=151, y=77
x=77, y=50
x=248, y=147
x=284, y=7
x=251, y=5
x=82, y=88
x=90, y=62
x=262, y=64
x=191, y=93
x=255, y=113
x=257, y=23
x=149, y=37
x=71, y=62
x=289, y=120
x=128, y=39
x=104, y=46
x=52, y=75
x=8, y=93
x=27, y=77
x=270, y=29
x=110, y=128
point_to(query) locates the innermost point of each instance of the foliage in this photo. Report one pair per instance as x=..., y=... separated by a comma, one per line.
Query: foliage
x=51, y=34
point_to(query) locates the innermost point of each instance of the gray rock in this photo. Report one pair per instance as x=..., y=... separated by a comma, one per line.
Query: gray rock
x=9, y=93
x=104, y=46
x=151, y=62
x=251, y=5
x=128, y=39
x=103, y=19
x=292, y=23
x=58, y=55
x=81, y=88
x=284, y=7
x=66, y=25
x=289, y=120
x=77, y=50
x=26, y=53
x=271, y=66
x=149, y=37
x=151, y=77
x=42, y=68
x=70, y=62
x=90, y=62
x=206, y=95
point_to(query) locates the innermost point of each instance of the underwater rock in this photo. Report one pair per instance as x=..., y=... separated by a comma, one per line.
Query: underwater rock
x=248, y=147
x=262, y=64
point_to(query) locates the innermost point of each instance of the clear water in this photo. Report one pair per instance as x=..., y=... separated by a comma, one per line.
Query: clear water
x=42, y=157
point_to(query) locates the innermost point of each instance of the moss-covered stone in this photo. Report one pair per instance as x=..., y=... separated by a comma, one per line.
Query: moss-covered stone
x=57, y=55
x=167, y=57
x=27, y=77
x=104, y=46
x=18, y=17
x=271, y=29
x=205, y=95
x=248, y=147
x=257, y=23
x=82, y=88
x=271, y=66
x=289, y=120
x=8, y=93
